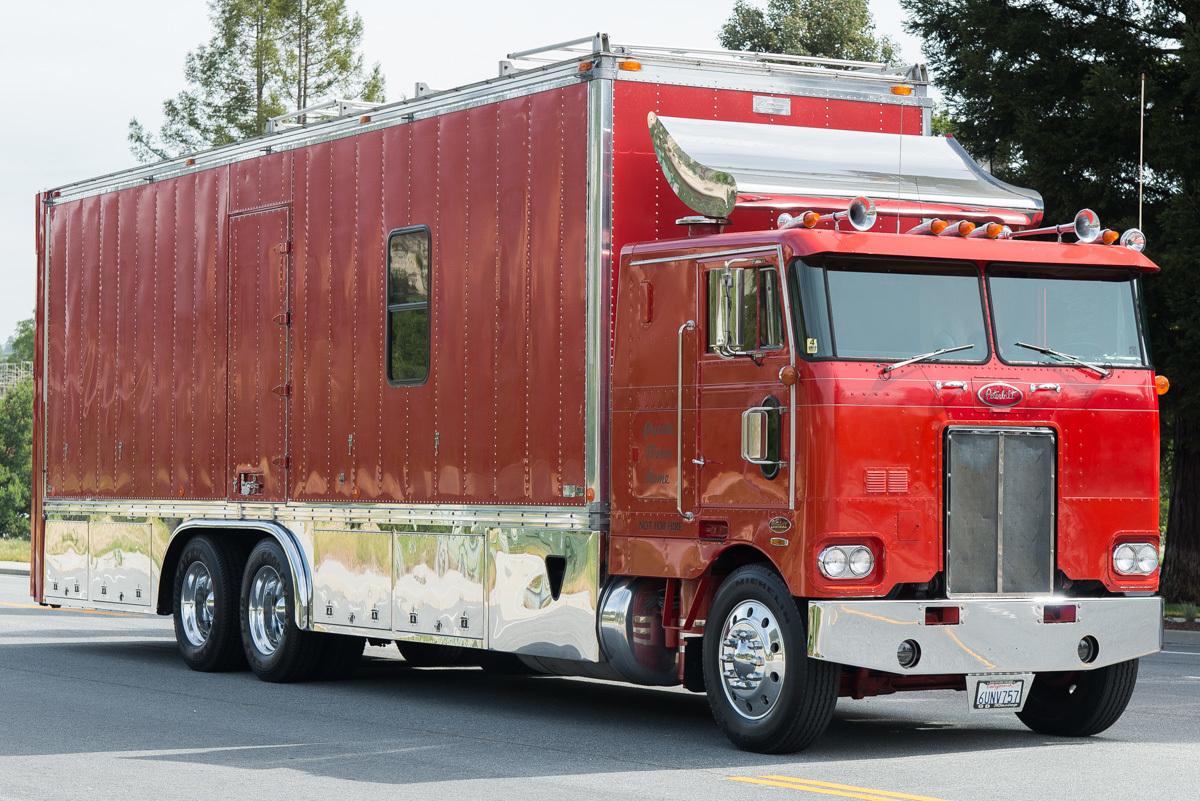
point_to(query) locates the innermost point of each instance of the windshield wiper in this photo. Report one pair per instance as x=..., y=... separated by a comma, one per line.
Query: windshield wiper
x=1065, y=357
x=922, y=357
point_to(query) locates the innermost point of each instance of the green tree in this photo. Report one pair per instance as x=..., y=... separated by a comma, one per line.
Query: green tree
x=263, y=56
x=16, y=458
x=1047, y=92
x=830, y=28
x=20, y=344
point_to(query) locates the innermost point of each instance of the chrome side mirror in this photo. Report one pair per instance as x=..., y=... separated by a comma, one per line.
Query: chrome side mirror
x=733, y=311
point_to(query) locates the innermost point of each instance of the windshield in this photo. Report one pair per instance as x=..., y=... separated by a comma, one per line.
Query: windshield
x=892, y=311
x=1090, y=315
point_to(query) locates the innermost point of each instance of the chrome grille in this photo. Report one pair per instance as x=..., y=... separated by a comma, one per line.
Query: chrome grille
x=1000, y=507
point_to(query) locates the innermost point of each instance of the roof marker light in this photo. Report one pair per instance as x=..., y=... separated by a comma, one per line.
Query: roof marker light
x=902, y=89
x=1108, y=236
x=1134, y=239
x=933, y=226
x=629, y=65
x=992, y=230
x=960, y=228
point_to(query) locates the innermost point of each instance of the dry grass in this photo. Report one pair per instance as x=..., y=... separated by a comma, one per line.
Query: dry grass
x=14, y=550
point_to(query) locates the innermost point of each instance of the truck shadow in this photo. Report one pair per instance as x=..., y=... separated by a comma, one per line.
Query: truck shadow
x=395, y=724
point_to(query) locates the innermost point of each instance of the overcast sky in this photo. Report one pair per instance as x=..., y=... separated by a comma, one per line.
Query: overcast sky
x=72, y=73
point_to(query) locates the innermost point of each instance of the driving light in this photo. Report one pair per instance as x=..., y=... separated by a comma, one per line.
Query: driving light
x=908, y=654
x=1134, y=239
x=846, y=561
x=1135, y=558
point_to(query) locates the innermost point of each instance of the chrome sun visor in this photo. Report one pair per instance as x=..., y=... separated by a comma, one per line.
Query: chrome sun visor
x=710, y=162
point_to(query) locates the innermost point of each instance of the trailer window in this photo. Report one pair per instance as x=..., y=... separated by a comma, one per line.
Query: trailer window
x=1090, y=313
x=408, y=305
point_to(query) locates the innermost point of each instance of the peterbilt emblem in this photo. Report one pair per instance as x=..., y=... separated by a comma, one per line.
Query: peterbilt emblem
x=1000, y=394
x=779, y=525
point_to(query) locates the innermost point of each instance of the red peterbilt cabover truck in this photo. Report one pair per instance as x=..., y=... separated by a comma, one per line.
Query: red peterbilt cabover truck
x=603, y=367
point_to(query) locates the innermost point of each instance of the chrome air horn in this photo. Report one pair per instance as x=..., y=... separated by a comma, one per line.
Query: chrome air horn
x=1086, y=228
x=860, y=213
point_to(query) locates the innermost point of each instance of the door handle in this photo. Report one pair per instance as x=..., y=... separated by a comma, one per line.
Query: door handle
x=690, y=325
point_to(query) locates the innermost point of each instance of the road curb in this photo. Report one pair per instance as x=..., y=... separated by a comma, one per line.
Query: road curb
x=14, y=569
x=1181, y=637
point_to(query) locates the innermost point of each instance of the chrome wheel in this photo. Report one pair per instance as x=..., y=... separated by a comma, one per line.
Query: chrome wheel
x=753, y=660
x=197, y=604
x=267, y=613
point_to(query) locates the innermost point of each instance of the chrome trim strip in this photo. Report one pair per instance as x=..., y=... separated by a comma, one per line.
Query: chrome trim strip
x=599, y=272
x=301, y=577
x=994, y=636
x=791, y=335
x=710, y=255
x=690, y=325
x=572, y=518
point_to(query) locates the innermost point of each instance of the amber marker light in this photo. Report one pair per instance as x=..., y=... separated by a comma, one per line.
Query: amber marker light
x=1108, y=236
x=584, y=66
x=1161, y=384
x=629, y=65
x=364, y=119
x=937, y=226
x=902, y=89
x=787, y=375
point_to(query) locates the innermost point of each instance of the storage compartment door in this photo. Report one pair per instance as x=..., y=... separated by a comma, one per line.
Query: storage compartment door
x=66, y=553
x=120, y=563
x=259, y=383
x=439, y=584
x=352, y=579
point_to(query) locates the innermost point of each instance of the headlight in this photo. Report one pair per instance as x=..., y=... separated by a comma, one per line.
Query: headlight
x=1135, y=558
x=846, y=561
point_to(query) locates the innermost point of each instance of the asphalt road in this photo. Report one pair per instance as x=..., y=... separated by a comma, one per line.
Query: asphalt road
x=98, y=706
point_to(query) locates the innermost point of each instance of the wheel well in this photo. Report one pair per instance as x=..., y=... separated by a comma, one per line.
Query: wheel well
x=737, y=556
x=241, y=540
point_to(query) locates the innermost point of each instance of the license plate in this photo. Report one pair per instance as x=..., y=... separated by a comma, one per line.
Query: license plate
x=998, y=694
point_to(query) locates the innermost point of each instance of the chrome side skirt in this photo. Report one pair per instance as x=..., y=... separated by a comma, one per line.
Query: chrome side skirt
x=517, y=579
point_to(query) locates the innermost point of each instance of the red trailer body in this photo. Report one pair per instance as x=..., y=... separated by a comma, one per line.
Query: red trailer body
x=470, y=372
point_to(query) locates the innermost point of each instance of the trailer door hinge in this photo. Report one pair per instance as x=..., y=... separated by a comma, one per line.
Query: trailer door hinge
x=284, y=248
x=282, y=461
x=283, y=318
x=283, y=389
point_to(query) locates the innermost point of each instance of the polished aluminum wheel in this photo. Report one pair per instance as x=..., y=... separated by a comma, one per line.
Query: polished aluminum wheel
x=753, y=660
x=197, y=604
x=267, y=610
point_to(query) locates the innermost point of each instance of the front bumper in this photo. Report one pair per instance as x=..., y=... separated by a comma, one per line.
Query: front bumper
x=1001, y=635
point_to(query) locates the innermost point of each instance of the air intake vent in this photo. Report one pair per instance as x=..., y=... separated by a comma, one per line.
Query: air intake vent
x=892, y=481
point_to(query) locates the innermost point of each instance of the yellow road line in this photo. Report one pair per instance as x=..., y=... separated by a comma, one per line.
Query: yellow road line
x=832, y=788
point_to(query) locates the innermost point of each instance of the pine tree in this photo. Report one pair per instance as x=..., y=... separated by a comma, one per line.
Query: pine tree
x=829, y=28
x=263, y=57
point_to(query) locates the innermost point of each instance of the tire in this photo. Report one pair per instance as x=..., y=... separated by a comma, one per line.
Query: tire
x=277, y=650
x=755, y=617
x=419, y=654
x=205, y=607
x=1079, y=704
x=340, y=656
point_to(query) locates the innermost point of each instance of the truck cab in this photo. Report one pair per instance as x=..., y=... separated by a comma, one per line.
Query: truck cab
x=945, y=445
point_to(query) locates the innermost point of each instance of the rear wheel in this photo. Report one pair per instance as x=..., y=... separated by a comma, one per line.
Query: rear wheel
x=275, y=647
x=204, y=606
x=1079, y=704
x=765, y=693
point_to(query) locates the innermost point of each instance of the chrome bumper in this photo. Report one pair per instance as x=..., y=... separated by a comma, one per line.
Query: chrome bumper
x=1002, y=635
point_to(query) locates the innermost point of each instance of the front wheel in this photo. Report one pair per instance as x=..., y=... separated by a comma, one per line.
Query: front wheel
x=276, y=648
x=765, y=693
x=1079, y=704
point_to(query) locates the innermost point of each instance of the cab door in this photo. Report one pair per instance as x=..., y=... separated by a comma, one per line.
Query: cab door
x=745, y=430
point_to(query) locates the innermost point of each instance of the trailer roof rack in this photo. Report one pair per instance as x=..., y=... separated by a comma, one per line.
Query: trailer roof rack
x=531, y=70
x=330, y=109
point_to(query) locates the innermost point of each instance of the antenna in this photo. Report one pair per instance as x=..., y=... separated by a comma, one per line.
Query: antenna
x=1142, y=150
